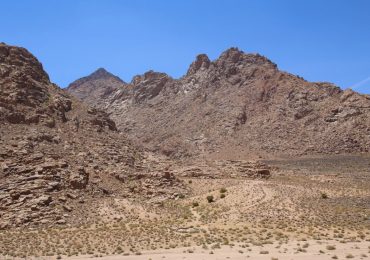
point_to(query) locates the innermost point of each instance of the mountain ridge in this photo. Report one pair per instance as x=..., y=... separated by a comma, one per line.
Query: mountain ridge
x=222, y=104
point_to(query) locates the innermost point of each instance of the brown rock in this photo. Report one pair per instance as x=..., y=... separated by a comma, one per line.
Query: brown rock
x=43, y=200
x=67, y=208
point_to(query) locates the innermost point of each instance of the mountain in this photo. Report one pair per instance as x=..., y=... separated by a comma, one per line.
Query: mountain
x=238, y=104
x=58, y=157
x=96, y=87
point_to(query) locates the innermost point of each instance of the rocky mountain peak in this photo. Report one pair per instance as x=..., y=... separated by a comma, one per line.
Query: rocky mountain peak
x=149, y=85
x=148, y=77
x=201, y=62
x=234, y=56
x=99, y=74
x=24, y=60
x=96, y=86
x=23, y=82
x=102, y=73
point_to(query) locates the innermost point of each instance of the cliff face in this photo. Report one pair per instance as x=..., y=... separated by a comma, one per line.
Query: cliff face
x=239, y=103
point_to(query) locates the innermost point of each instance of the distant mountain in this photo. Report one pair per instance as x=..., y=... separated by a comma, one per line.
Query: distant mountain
x=239, y=103
x=96, y=87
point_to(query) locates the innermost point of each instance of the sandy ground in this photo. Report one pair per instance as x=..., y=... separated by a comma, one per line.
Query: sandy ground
x=315, y=250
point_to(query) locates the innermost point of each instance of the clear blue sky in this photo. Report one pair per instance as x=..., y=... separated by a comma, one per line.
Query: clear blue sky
x=321, y=40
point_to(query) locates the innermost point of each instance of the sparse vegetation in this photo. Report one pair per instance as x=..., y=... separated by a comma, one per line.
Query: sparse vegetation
x=210, y=198
x=223, y=190
x=330, y=247
x=324, y=195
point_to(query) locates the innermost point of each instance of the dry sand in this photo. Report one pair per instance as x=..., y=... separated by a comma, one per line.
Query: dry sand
x=359, y=250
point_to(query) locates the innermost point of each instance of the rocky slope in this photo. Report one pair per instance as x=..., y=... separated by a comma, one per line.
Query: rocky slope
x=239, y=103
x=58, y=157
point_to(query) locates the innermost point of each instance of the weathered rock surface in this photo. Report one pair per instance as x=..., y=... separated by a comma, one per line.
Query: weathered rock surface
x=237, y=103
x=226, y=169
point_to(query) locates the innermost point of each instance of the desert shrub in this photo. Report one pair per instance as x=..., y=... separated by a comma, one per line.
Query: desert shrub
x=210, y=198
x=222, y=195
x=324, y=195
x=223, y=190
x=330, y=247
x=195, y=204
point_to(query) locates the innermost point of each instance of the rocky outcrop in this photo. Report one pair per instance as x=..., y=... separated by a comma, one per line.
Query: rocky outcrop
x=227, y=169
x=148, y=85
x=201, y=62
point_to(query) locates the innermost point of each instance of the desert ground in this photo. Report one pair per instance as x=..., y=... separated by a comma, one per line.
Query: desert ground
x=314, y=207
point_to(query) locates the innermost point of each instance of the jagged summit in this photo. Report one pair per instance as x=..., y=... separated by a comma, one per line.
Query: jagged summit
x=147, y=76
x=26, y=62
x=234, y=56
x=201, y=62
x=26, y=90
x=228, y=61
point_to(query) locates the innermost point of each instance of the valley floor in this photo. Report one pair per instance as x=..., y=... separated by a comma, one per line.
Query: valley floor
x=289, y=251
x=310, y=208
